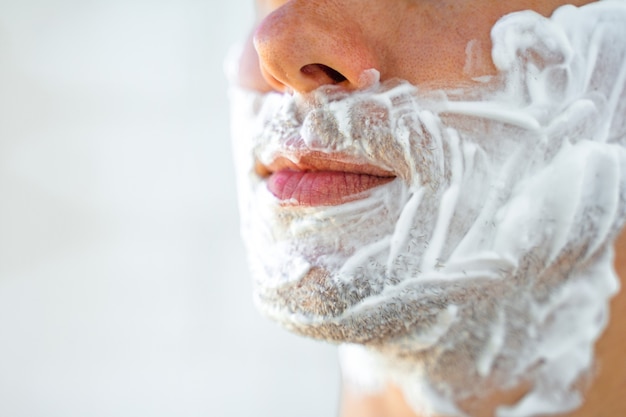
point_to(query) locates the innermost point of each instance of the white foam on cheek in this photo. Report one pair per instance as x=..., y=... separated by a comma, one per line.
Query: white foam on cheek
x=475, y=61
x=572, y=324
x=493, y=347
x=400, y=236
x=431, y=257
x=488, y=260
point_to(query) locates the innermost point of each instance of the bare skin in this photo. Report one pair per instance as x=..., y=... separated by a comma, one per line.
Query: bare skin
x=299, y=45
x=295, y=41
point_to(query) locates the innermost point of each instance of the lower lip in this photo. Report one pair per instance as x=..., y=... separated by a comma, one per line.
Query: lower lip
x=321, y=188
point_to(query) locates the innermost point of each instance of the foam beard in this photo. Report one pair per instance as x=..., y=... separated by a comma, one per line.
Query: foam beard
x=489, y=257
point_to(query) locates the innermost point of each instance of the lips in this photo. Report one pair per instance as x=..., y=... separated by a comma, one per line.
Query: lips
x=321, y=180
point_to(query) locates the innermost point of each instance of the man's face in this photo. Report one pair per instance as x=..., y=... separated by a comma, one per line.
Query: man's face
x=409, y=183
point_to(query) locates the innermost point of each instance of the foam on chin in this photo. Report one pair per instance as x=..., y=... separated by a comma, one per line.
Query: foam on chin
x=491, y=252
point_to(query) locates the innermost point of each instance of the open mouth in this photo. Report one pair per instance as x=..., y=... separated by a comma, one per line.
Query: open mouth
x=321, y=180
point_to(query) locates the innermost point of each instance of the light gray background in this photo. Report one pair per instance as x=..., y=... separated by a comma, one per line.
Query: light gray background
x=123, y=286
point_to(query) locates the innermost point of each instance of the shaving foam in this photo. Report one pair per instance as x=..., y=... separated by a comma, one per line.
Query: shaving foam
x=487, y=261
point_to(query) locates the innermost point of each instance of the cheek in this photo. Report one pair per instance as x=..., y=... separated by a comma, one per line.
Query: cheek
x=428, y=52
x=445, y=62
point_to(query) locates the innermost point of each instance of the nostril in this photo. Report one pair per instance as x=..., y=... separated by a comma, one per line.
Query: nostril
x=316, y=70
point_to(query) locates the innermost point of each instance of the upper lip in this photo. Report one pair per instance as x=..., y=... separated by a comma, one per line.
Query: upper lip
x=321, y=161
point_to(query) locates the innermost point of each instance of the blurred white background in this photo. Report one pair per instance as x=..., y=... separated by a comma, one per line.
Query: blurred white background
x=123, y=286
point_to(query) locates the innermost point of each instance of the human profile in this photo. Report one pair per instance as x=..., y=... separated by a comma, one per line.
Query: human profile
x=439, y=187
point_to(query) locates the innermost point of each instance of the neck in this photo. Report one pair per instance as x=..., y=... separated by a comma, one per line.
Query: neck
x=604, y=397
x=606, y=394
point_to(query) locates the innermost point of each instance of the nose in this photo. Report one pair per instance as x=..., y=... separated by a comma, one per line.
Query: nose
x=303, y=45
